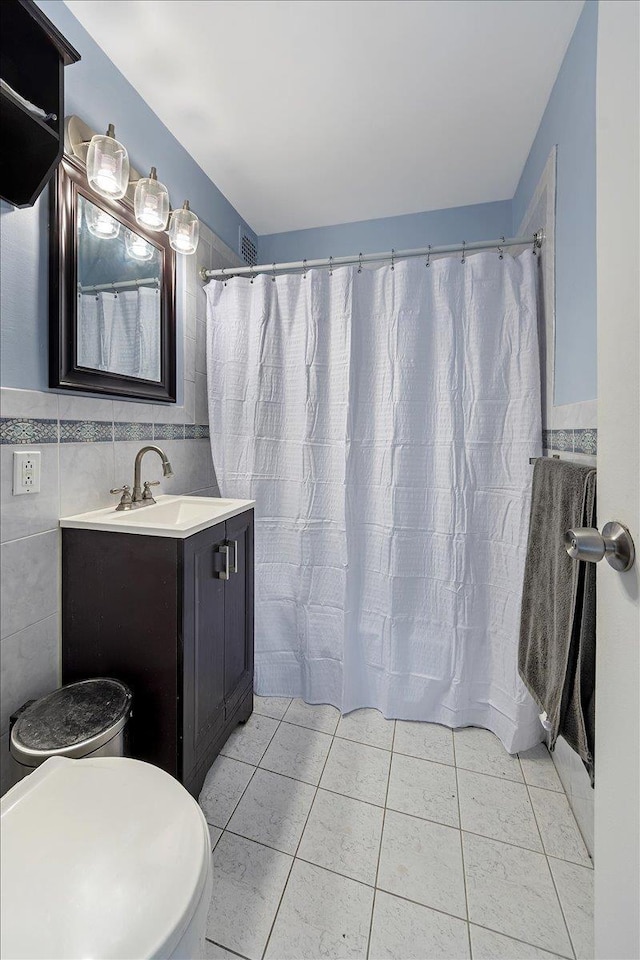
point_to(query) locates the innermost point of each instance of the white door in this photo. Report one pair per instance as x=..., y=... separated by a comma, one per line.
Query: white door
x=617, y=793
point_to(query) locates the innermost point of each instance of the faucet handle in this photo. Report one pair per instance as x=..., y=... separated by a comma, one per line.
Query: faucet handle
x=125, y=499
x=146, y=494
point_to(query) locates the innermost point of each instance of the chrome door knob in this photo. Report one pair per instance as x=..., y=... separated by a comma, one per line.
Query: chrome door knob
x=615, y=544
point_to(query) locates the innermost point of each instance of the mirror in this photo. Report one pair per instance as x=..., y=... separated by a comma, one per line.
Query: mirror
x=112, y=295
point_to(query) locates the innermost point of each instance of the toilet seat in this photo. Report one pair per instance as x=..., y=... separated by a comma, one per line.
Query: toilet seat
x=106, y=857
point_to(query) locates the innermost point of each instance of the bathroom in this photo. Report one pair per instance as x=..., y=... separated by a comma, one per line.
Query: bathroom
x=370, y=764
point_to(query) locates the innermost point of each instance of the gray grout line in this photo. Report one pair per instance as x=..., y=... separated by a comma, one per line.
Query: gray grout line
x=553, y=881
x=233, y=952
x=508, y=936
x=464, y=871
x=295, y=855
x=30, y=536
x=384, y=816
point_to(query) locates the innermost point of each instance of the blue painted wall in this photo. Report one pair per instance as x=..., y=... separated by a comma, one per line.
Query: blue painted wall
x=480, y=221
x=99, y=93
x=570, y=122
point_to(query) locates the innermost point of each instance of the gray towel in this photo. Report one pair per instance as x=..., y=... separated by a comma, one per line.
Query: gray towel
x=556, y=657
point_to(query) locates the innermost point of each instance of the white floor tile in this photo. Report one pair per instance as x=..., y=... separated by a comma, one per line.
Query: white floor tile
x=422, y=861
x=357, y=771
x=539, y=769
x=315, y=716
x=407, y=931
x=481, y=751
x=215, y=833
x=487, y=945
x=367, y=726
x=560, y=834
x=429, y=741
x=249, y=740
x=575, y=889
x=497, y=808
x=343, y=834
x=423, y=789
x=321, y=915
x=224, y=785
x=248, y=880
x=275, y=707
x=510, y=890
x=273, y=810
x=297, y=752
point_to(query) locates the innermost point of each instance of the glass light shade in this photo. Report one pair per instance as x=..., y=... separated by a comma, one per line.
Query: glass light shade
x=184, y=230
x=151, y=202
x=108, y=166
x=137, y=247
x=100, y=223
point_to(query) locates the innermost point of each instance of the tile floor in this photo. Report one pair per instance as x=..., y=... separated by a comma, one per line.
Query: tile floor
x=371, y=838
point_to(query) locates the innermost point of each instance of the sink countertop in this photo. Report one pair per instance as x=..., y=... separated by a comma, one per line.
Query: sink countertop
x=169, y=516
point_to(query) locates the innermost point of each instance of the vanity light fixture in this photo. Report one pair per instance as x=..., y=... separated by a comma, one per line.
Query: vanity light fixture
x=108, y=165
x=184, y=230
x=100, y=223
x=151, y=202
x=137, y=247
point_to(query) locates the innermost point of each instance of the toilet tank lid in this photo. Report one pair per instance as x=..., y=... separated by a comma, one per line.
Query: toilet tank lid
x=99, y=857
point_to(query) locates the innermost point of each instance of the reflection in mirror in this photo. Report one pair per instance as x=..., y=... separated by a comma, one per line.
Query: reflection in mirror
x=119, y=276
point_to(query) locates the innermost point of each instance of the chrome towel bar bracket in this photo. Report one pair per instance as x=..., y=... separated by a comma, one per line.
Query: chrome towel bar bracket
x=614, y=544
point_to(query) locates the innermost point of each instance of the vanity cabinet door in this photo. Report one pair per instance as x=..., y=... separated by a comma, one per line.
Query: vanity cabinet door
x=238, y=612
x=204, y=644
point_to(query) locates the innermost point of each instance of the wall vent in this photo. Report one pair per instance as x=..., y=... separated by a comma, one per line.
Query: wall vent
x=248, y=250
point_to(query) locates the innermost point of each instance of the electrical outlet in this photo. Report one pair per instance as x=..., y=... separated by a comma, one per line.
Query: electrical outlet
x=26, y=472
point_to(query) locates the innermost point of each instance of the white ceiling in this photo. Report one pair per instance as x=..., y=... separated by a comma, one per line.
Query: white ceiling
x=312, y=112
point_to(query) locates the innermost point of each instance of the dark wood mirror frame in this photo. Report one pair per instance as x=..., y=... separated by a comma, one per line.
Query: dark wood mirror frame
x=69, y=183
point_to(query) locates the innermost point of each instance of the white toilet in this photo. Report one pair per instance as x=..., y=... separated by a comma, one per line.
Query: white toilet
x=103, y=858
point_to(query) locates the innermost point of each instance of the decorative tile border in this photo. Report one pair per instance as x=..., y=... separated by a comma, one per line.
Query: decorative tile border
x=585, y=441
x=86, y=431
x=168, y=431
x=131, y=430
x=571, y=441
x=196, y=431
x=21, y=430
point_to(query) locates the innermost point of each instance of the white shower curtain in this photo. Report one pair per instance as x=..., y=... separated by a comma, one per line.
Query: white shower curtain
x=120, y=332
x=383, y=422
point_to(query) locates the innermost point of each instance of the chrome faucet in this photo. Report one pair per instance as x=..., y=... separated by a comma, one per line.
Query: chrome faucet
x=142, y=497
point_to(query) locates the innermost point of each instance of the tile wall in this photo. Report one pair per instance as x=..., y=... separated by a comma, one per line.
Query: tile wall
x=87, y=446
x=569, y=431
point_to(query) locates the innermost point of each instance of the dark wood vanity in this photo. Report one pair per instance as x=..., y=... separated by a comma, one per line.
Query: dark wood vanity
x=160, y=614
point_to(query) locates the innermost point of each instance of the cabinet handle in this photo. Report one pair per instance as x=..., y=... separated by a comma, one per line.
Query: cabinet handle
x=234, y=543
x=224, y=550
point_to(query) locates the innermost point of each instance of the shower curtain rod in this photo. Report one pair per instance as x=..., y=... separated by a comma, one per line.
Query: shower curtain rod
x=118, y=285
x=463, y=248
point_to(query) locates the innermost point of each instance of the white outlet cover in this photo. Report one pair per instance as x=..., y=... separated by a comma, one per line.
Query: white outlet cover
x=26, y=472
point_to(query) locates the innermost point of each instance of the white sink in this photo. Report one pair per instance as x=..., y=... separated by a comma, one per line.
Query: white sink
x=177, y=517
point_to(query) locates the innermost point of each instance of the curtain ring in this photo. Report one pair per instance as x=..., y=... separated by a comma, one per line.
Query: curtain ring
x=393, y=254
x=304, y=267
x=428, y=263
x=330, y=266
x=273, y=278
x=464, y=242
x=534, y=250
x=252, y=275
x=115, y=292
x=360, y=262
x=500, y=253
